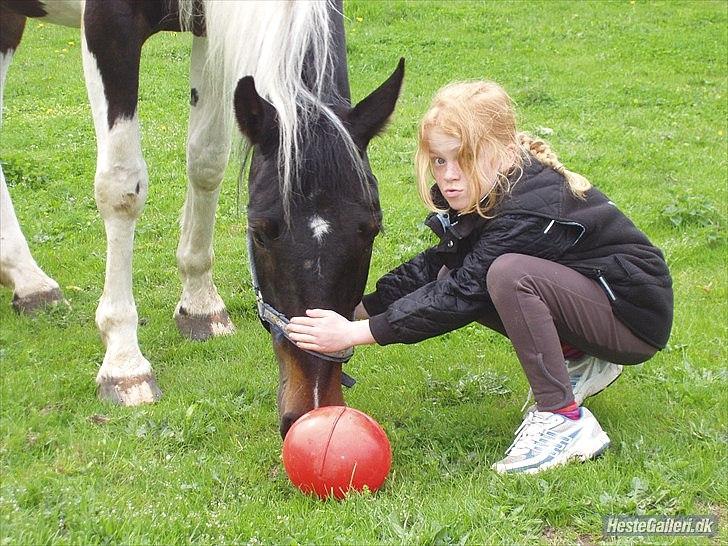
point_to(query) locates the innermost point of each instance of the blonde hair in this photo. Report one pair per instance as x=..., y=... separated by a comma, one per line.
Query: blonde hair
x=481, y=115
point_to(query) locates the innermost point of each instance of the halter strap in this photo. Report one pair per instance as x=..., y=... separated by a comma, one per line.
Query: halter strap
x=278, y=321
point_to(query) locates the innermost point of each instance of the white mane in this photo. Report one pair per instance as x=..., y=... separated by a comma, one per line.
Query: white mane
x=269, y=40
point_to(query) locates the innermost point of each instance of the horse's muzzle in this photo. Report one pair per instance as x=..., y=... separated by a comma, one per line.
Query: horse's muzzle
x=306, y=382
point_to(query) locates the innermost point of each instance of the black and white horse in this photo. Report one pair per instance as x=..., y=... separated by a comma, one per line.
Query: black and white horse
x=279, y=70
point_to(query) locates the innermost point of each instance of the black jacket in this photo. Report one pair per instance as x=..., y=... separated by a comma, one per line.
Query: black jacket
x=539, y=217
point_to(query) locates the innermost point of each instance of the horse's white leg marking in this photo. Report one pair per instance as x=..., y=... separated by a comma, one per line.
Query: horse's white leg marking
x=18, y=270
x=201, y=312
x=120, y=190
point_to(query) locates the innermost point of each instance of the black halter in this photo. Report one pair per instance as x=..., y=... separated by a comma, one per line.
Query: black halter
x=278, y=321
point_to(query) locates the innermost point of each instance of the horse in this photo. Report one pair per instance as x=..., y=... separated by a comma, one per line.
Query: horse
x=278, y=71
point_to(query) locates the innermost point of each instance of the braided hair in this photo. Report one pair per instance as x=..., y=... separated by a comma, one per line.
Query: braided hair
x=543, y=152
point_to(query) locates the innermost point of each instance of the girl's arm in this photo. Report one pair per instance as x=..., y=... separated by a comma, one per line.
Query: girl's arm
x=404, y=279
x=461, y=296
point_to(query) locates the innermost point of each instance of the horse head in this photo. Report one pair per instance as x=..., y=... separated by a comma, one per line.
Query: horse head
x=311, y=245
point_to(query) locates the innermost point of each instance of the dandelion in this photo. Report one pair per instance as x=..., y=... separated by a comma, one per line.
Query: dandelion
x=359, y=19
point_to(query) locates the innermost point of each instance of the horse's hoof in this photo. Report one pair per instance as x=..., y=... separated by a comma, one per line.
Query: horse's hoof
x=129, y=391
x=34, y=302
x=202, y=327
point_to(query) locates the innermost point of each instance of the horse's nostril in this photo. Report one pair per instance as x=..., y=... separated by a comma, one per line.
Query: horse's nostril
x=287, y=422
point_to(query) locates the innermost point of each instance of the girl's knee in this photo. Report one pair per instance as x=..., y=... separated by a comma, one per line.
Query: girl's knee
x=504, y=273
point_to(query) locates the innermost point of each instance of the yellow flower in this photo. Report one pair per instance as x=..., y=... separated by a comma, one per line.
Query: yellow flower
x=359, y=19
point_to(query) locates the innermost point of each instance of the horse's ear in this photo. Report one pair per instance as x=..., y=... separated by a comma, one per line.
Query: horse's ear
x=256, y=117
x=370, y=115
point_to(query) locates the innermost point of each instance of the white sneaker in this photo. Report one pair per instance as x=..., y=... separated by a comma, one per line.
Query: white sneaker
x=546, y=439
x=588, y=376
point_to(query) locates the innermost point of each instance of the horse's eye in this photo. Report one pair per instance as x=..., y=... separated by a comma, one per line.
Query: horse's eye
x=258, y=238
x=263, y=232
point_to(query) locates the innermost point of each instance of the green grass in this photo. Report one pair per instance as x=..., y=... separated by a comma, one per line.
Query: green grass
x=636, y=96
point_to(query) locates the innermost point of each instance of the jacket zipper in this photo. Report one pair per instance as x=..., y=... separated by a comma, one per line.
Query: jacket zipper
x=603, y=281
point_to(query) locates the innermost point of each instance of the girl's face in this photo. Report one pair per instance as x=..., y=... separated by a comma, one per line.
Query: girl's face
x=453, y=183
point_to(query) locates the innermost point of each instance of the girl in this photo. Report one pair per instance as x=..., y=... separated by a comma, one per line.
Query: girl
x=532, y=251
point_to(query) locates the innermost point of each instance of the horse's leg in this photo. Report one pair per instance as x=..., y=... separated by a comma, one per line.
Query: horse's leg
x=111, y=53
x=32, y=289
x=201, y=312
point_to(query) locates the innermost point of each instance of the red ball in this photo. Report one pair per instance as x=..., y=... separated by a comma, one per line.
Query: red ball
x=334, y=449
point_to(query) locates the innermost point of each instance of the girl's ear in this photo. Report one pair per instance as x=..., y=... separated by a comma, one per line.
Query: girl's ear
x=369, y=116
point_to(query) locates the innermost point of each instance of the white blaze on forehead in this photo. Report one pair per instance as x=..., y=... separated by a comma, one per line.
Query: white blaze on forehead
x=319, y=226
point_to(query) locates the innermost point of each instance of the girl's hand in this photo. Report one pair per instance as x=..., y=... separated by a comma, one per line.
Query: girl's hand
x=326, y=331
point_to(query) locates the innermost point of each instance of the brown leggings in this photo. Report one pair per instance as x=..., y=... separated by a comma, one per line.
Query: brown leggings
x=538, y=304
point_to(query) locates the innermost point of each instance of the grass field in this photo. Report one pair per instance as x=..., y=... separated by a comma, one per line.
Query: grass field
x=632, y=94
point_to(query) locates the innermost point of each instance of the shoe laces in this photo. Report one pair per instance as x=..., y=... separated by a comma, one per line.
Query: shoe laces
x=530, y=435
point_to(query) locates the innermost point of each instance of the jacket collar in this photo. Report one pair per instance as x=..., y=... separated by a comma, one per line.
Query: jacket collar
x=460, y=226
